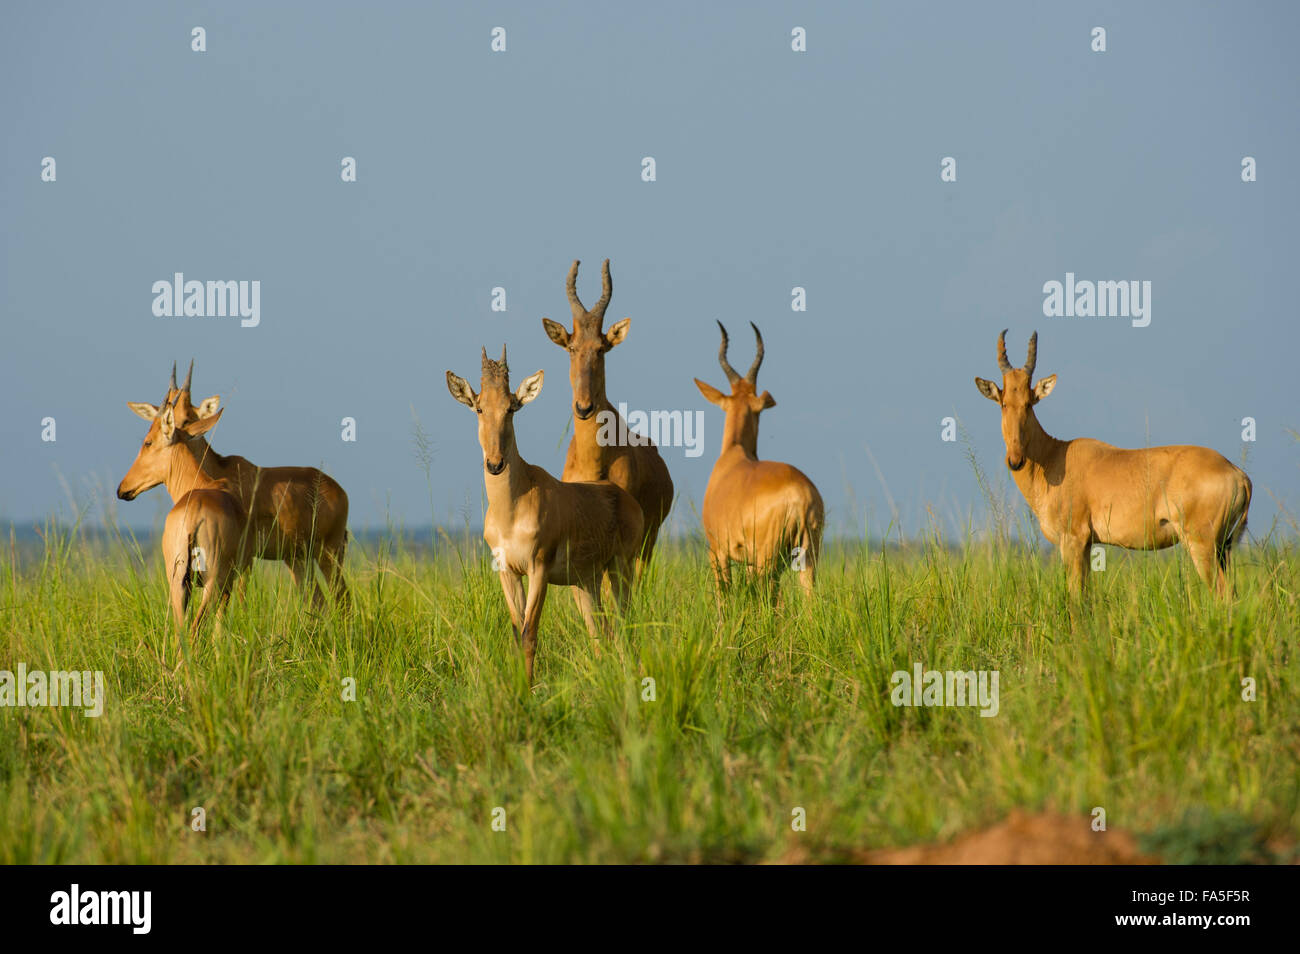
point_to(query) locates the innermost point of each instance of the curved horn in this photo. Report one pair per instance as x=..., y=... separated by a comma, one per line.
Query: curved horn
x=571, y=286
x=606, y=289
x=1033, y=354
x=1003, y=364
x=732, y=376
x=752, y=376
x=172, y=385
x=189, y=376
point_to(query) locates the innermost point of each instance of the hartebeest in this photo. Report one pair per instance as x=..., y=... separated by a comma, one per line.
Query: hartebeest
x=552, y=531
x=637, y=468
x=761, y=513
x=204, y=536
x=297, y=514
x=1085, y=491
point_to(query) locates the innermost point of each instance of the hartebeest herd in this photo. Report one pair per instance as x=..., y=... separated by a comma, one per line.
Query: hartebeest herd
x=600, y=521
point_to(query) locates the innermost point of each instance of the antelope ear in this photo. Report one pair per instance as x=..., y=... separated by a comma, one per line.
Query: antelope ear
x=555, y=331
x=1044, y=387
x=989, y=390
x=617, y=332
x=531, y=387
x=203, y=424
x=711, y=394
x=147, y=411
x=768, y=400
x=208, y=407
x=461, y=390
x=167, y=424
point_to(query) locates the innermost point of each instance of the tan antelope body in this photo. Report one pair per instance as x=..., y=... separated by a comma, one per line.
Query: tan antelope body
x=204, y=535
x=1085, y=491
x=759, y=513
x=637, y=468
x=551, y=531
x=297, y=514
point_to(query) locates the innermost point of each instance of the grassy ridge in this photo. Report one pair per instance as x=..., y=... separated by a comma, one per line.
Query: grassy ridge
x=1131, y=702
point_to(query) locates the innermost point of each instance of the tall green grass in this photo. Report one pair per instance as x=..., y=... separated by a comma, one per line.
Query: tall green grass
x=1130, y=701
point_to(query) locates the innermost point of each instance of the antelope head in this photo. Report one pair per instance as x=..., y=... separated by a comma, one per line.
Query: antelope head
x=1017, y=398
x=744, y=401
x=167, y=431
x=186, y=411
x=495, y=405
x=587, y=343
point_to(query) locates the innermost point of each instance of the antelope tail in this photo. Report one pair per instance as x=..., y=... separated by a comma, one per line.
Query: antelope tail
x=183, y=563
x=192, y=544
x=1238, y=512
x=807, y=535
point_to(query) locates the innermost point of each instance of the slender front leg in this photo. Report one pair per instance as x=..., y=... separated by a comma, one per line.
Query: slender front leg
x=587, y=597
x=330, y=561
x=1206, y=564
x=622, y=573
x=304, y=577
x=533, y=614
x=1074, y=551
x=512, y=585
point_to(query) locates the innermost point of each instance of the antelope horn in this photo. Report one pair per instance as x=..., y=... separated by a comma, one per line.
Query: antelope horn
x=1033, y=354
x=189, y=376
x=171, y=389
x=732, y=376
x=752, y=376
x=606, y=289
x=1003, y=364
x=503, y=356
x=571, y=286
x=486, y=360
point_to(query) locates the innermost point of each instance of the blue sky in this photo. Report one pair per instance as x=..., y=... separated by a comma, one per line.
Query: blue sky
x=775, y=169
